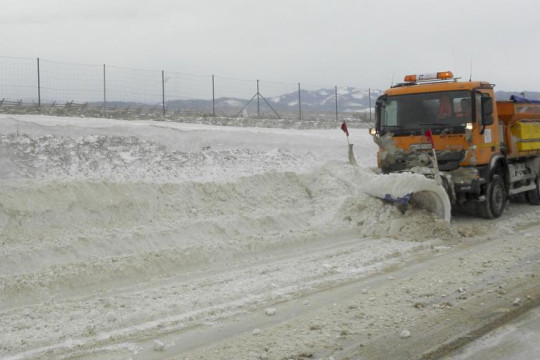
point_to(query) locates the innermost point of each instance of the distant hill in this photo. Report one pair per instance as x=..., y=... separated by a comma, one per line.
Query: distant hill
x=505, y=95
x=350, y=99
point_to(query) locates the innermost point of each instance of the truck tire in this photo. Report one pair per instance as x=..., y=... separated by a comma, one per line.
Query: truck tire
x=493, y=206
x=533, y=196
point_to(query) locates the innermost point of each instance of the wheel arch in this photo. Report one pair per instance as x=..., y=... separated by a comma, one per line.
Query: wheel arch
x=499, y=166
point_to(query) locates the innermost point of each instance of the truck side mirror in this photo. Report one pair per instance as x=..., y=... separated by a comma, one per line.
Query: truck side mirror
x=487, y=111
x=378, y=106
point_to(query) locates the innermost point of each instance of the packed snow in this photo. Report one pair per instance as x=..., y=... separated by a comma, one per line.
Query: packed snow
x=151, y=239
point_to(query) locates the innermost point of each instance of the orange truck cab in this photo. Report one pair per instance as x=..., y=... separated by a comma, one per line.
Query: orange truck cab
x=483, y=150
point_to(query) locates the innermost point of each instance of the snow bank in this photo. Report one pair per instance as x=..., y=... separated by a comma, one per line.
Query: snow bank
x=104, y=236
x=117, y=158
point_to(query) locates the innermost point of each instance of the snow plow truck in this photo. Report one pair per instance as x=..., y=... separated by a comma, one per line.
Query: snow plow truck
x=480, y=150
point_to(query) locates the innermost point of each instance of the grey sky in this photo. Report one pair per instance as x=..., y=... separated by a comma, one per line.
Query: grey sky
x=343, y=42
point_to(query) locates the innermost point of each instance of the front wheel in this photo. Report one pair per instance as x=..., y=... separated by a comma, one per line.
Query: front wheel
x=533, y=196
x=493, y=206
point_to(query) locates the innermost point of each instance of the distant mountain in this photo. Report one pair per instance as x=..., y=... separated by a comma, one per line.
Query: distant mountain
x=350, y=99
x=505, y=95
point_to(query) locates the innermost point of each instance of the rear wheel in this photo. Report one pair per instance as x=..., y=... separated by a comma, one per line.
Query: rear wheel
x=533, y=196
x=493, y=206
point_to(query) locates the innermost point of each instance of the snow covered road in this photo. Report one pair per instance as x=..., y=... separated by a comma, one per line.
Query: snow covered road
x=517, y=340
x=155, y=240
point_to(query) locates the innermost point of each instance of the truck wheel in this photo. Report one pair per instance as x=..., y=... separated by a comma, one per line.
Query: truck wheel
x=533, y=196
x=493, y=206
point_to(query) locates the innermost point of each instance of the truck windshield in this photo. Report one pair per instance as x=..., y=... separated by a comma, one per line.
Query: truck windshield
x=414, y=113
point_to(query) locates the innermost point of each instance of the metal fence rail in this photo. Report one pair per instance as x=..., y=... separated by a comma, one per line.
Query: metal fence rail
x=104, y=90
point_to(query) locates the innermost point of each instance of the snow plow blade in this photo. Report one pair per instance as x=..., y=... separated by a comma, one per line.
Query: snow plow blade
x=407, y=188
x=435, y=201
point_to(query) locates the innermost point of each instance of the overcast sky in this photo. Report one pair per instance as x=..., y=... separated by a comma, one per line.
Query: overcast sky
x=333, y=42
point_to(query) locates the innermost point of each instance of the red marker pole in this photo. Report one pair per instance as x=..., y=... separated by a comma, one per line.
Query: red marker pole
x=345, y=130
x=352, y=160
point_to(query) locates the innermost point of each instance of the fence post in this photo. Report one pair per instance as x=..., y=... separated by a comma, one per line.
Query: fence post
x=163, y=89
x=104, y=88
x=299, y=103
x=258, y=101
x=213, y=97
x=336, y=104
x=38, y=84
x=369, y=97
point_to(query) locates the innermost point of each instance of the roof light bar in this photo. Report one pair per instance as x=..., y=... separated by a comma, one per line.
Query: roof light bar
x=442, y=75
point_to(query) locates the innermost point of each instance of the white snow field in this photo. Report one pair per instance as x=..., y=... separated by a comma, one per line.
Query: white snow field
x=160, y=240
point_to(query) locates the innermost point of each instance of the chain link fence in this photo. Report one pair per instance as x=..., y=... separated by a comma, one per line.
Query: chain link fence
x=56, y=88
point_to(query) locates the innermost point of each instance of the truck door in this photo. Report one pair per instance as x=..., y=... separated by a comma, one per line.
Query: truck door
x=487, y=132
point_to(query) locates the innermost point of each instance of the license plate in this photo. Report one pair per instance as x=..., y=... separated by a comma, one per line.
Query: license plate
x=423, y=146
